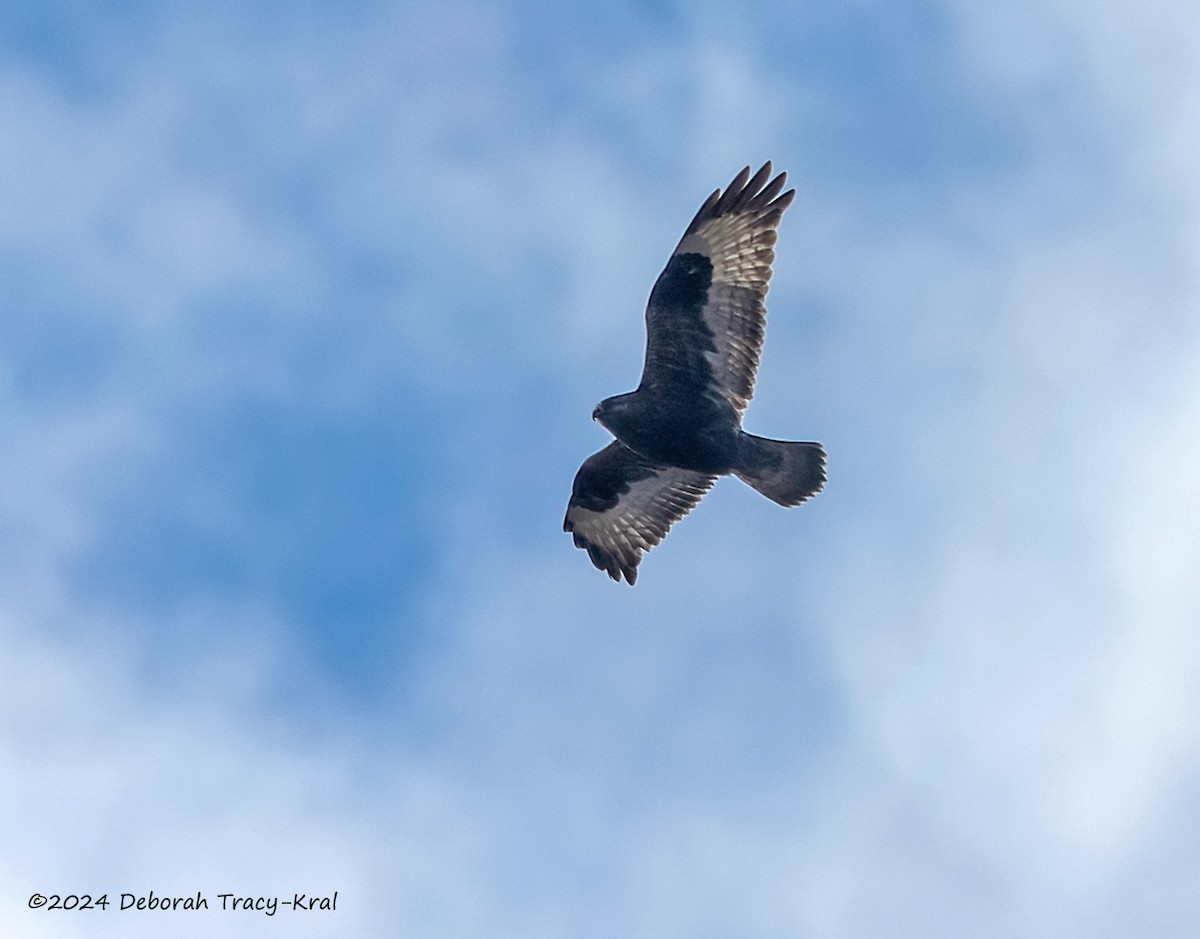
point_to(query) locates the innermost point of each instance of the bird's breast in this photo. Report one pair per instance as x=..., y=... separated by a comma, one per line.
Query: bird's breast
x=699, y=436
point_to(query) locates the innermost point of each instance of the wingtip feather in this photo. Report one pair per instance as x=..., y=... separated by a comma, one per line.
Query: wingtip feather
x=759, y=193
x=732, y=192
x=751, y=191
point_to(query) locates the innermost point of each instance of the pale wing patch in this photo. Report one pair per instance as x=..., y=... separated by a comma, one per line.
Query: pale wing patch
x=738, y=323
x=616, y=537
x=740, y=247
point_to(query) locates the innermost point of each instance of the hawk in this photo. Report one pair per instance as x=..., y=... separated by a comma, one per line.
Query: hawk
x=682, y=427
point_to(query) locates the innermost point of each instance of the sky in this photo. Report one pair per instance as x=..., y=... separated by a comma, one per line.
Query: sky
x=303, y=311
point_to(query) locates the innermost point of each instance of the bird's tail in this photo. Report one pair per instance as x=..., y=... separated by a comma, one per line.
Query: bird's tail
x=784, y=472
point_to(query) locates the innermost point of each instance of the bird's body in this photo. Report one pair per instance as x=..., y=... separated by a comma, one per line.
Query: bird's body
x=660, y=426
x=681, y=427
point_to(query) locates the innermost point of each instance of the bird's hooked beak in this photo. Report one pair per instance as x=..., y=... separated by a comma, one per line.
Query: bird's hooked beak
x=596, y=413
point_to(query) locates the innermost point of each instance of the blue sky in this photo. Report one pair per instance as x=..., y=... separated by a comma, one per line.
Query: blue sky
x=303, y=312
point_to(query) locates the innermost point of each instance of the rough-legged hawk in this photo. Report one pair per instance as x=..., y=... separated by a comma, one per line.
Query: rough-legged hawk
x=682, y=427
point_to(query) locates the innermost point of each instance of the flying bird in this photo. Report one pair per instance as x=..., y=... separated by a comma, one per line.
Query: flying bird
x=682, y=427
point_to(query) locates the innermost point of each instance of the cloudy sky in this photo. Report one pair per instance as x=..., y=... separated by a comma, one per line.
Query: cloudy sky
x=304, y=308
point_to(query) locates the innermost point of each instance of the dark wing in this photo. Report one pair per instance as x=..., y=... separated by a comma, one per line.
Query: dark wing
x=706, y=318
x=623, y=505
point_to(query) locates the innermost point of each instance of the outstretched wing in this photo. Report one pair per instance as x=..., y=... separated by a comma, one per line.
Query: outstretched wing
x=622, y=505
x=706, y=318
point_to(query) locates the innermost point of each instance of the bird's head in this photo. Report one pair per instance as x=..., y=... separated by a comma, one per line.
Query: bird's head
x=612, y=411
